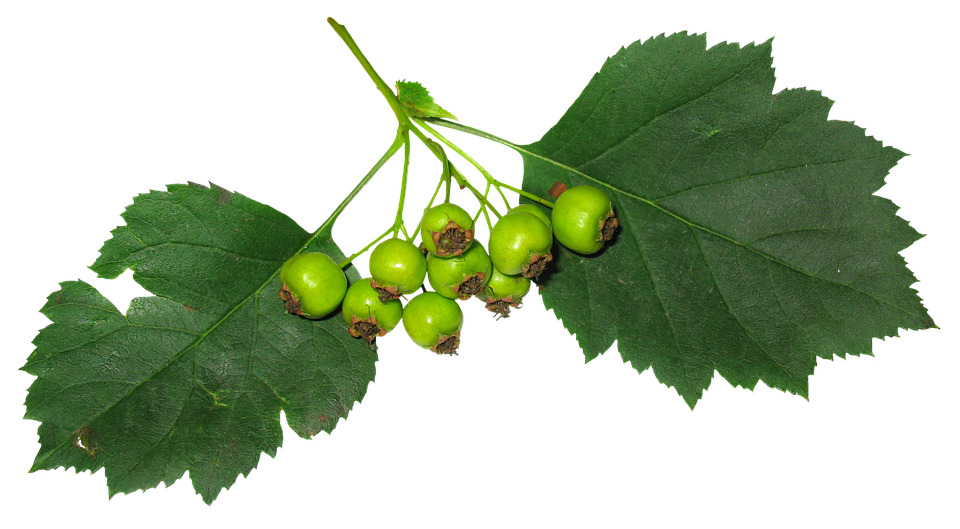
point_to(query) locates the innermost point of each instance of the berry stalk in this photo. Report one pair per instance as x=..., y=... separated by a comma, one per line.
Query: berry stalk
x=458, y=175
x=490, y=178
x=328, y=224
x=398, y=222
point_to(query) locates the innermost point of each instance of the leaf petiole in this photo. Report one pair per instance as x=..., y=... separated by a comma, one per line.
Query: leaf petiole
x=475, y=132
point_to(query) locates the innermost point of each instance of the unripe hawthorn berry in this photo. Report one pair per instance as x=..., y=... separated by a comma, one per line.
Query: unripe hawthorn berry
x=460, y=276
x=504, y=292
x=583, y=219
x=520, y=244
x=397, y=267
x=367, y=316
x=535, y=211
x=446, y=230
x=312, y=285
x=434, y=322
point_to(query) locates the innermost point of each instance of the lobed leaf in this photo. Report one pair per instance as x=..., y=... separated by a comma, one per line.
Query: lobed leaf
x=751, y=242
x=195, y=377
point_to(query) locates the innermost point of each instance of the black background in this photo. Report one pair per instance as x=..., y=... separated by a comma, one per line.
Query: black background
x=272, y=105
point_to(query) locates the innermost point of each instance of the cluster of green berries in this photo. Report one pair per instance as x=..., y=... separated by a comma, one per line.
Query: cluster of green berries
x=456, y=266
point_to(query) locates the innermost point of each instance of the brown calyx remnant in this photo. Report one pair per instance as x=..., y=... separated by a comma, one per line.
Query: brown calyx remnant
x=367, y=329
x=556, y=189
x=452, y=240
x=291, y=303
x=471, y=287
x=448, y=345
x=537, y=265
x=501, y=307
x=610, y=225
x=386, y=293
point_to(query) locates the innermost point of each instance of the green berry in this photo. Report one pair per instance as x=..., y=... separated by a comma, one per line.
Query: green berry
x=460, y=276
x=520, y=244
x=534, y=210
x=367, y=316
x=433, y=321
x=312, y=285
x=583, y=219
x=503, y=292
x=397, y=267
x=446, y=230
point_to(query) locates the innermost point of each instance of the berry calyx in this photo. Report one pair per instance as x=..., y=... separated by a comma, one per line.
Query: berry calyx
x=584, y=219
x=367, y=316
x=397, y=267
x=504, y=292
x=520, y=244
x=446, y=230
x=460, y=276
x=312, y=285
x=433, y=322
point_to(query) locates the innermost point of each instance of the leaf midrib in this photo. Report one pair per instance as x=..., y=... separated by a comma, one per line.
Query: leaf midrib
x=651, y=203
x=176, y=357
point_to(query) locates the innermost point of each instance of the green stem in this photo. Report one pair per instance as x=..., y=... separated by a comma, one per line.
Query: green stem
x=458, y=175
x=365, y=248
x=377, y=80
x=401, y=141
x=477, y=132
x=398, y=222
x=462, y=153
x=523, y=193
x=445, y=171
x=416, y=230
x=483, y=209
x=328, y=224
x=506, y=203
x=482, y=199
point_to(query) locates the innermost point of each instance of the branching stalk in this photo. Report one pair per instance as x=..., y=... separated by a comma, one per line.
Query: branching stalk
x=398, y=222
x=433, y=200
x=406, y=125
x=462, y=153
x=327, y=224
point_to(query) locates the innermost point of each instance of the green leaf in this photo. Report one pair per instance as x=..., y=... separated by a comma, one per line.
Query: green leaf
x=195, y=377
x=751, y=242
x=418, y=103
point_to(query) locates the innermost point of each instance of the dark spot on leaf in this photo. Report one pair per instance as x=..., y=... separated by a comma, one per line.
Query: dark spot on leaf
x=86, y=439
x=556, y=189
